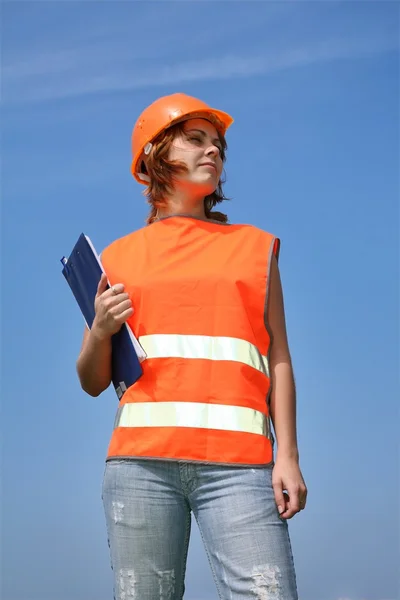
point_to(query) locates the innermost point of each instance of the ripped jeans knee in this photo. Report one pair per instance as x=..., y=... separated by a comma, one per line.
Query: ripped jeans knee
x=267, y=583
x=129, y=586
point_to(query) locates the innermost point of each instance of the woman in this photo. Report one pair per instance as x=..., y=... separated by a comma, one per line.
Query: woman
x=193, y=434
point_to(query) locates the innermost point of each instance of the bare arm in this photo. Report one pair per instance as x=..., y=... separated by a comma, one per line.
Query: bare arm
x=94, y=363
x=283, y=395
x=112, y=307
x=289, y=487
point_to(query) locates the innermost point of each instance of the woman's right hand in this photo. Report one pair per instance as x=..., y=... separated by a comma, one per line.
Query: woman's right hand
x=112, y=306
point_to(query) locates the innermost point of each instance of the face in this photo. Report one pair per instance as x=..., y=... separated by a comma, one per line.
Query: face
x=200, y=149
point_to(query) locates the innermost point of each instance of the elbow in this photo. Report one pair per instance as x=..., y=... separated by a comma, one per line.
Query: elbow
x=280, y=355
x=91, y=389
x=94, y=393
x=90, y=386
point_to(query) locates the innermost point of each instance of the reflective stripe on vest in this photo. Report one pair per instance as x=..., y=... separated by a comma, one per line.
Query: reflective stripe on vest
x=206, y=347
x=192, y=414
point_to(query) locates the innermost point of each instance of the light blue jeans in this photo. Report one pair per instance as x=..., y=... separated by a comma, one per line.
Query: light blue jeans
x=148, y=505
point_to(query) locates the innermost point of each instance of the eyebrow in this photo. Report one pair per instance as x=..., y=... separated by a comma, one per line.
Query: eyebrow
x=203, y=133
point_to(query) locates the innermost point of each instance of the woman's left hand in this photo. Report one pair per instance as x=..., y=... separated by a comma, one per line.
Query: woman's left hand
x=289, y=487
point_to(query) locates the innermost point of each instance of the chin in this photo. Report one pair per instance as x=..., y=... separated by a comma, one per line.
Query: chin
x=207, y=187
x=201, y=187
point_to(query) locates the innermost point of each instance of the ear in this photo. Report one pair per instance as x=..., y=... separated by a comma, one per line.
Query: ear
x=143, y=174
x=144, y=177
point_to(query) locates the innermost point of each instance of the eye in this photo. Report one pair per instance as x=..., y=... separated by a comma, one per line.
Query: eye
x=195, y=138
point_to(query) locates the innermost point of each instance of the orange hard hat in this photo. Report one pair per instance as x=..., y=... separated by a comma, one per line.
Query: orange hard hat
x=163, y=113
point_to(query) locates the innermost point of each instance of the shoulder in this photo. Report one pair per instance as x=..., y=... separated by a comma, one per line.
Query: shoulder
x=253, y=230
x=250, y=228
x=269, y=240
x=122, y=243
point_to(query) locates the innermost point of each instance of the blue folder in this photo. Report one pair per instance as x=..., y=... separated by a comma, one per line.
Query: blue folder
x=83, y=270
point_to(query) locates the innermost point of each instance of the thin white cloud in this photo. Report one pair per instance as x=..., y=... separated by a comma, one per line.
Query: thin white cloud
x=84, y=71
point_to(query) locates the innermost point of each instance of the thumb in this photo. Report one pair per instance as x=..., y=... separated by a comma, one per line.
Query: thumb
x=279, y=498
x=102, y=285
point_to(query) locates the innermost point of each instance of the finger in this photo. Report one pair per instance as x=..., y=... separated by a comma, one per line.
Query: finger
x=303, y=500
x=121, y=318
x=126, y=314
x=279, y=497
x=294, y=496
x=285, y=513
x=293, y=505
x=119, y=308
x=116, y=289
x=115, y=299
x=102, y=285
x=288, y=514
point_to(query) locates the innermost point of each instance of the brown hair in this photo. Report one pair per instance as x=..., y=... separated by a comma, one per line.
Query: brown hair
x=161, y=172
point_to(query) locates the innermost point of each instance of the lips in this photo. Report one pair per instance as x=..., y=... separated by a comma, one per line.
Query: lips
x=209, y=164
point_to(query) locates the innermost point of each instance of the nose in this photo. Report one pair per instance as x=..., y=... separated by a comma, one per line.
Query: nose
x=212, y=151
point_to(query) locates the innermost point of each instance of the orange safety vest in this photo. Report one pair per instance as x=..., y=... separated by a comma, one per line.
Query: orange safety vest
x=199, y=291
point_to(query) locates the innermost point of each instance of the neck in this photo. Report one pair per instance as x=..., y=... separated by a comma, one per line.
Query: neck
x=179, y=204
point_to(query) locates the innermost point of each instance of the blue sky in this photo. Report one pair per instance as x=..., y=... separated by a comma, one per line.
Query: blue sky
x=313, y=158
